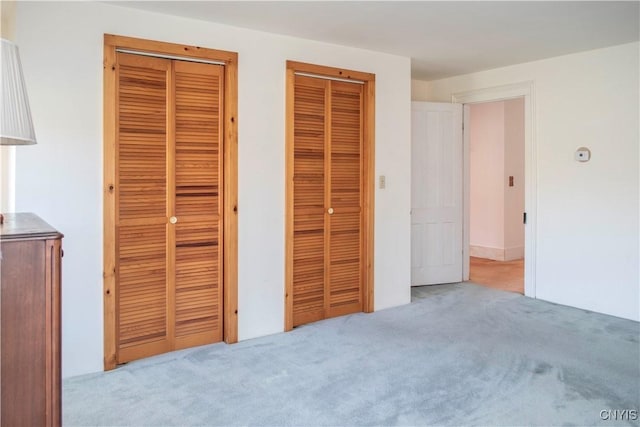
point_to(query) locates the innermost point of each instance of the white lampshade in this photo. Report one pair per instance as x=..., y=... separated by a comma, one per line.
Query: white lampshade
x=16, y=126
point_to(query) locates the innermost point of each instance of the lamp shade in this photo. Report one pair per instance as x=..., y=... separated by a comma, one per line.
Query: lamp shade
x=16, y=126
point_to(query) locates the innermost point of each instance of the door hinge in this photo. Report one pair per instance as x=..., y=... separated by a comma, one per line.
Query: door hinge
x=524, y=218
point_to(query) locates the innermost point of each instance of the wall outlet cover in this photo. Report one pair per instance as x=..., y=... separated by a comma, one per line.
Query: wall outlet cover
x=583, y=154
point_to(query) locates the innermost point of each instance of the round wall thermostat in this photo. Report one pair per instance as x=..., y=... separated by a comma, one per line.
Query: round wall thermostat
x=583, y=154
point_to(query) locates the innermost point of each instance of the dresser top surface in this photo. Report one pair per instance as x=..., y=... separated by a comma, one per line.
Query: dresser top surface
x=26, y=226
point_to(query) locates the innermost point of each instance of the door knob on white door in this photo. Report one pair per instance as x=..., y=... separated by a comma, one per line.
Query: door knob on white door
x=173, y=220
x=330, y=211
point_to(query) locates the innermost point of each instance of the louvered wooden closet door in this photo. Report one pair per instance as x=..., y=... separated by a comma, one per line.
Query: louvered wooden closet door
x=327, y=199
x=310, y=139
x=143, y=310
x=169, y=188
x=198, y=201
x=345, y=198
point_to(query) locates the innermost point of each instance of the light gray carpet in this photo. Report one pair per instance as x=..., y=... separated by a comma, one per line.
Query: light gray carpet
x=458, y=355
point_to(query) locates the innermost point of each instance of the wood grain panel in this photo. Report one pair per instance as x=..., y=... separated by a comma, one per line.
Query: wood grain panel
x=309, y=132
x=198, y=184
x=23, y=338
x=309, y=135
x=345, y=281
x=142, y=316
x=109, y=208
x=230, y=200
x=142, y=280
x=141, y=136
x=368, y=193
x=345, y=247
x=53, y=344
x=198, y=292
x=346, y=144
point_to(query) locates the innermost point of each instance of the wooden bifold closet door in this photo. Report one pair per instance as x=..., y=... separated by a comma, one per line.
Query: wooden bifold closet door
x=168, y=205
x=327, y=259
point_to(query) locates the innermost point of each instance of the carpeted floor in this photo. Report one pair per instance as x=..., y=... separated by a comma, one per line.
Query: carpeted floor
x=458, y=355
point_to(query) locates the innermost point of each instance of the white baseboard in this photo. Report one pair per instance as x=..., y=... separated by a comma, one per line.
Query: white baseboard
x=486, y=252
x=496, y=254
x=511, y=254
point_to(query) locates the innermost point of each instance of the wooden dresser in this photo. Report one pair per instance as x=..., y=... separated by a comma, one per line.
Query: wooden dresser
x=30, y=252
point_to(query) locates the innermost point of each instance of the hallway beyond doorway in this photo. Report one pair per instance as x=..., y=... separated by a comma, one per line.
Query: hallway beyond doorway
x=503, y=275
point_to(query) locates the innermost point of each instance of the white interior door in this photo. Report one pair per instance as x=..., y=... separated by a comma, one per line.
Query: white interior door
x=436, y=193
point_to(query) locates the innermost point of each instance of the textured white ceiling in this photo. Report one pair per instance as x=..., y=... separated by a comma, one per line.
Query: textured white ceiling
x=442, y=38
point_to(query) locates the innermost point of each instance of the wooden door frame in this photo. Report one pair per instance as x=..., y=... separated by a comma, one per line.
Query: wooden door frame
x=368, y=81
x=230, y=172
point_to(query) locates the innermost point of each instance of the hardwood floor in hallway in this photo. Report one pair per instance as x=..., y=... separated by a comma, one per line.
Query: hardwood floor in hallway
x=503, y=275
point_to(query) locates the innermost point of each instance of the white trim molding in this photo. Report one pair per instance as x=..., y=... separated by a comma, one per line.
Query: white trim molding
x=497, y=254
x=486, y=252
x=501, y=93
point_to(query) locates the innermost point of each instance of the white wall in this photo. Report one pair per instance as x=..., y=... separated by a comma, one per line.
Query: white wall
x=587, y=213
x=7, y=153
x=486, y=189
x=61, y=178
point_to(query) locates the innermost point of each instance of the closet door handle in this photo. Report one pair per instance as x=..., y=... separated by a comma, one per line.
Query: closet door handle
x=173, y=220
x=330, y=211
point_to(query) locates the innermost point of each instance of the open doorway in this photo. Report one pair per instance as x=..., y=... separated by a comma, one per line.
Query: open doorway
x=496, y=133
x=440, y=187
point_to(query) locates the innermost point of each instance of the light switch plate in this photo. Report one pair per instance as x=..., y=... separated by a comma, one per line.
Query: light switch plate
x=383, y=182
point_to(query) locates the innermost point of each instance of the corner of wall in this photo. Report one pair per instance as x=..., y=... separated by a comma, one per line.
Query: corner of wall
x=419, y=90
